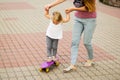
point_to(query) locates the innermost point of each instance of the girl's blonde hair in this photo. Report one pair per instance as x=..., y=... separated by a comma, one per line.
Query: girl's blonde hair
x=90, y=5
x=57, y=16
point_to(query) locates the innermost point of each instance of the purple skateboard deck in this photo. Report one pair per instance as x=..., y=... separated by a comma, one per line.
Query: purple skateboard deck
x=46, y=65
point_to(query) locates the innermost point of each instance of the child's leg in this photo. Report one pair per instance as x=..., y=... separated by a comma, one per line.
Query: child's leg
x=49, y=46
x=54, y=47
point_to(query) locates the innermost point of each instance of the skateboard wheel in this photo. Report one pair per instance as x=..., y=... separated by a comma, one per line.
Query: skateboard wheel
x=57, y=63
x=47, y=69
x=40, y=69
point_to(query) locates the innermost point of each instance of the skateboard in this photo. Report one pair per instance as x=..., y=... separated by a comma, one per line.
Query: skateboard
x=45, y=66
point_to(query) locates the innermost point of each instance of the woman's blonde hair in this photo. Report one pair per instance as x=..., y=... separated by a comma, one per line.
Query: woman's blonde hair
x=90, y=5
x=57, y=16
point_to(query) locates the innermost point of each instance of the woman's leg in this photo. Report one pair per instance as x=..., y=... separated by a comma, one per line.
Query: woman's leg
x=76, y=34
x=90, y=25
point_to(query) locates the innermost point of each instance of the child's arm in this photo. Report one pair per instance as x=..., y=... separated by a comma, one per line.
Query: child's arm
x=67, y=18
x=47, y=14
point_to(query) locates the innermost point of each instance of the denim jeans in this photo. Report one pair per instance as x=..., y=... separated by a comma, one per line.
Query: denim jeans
x=87, y=27
x=52, y=45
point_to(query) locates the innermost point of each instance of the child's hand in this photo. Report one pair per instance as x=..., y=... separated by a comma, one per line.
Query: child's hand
x=66, y=11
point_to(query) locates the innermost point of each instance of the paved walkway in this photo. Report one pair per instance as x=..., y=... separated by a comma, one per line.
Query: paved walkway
x=22, y=43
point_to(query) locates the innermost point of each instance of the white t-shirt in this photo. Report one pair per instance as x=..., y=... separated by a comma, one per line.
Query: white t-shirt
x=54, y=31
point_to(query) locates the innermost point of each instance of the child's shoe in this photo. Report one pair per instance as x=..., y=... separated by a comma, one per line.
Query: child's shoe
x=54, y=58
x=48, y=59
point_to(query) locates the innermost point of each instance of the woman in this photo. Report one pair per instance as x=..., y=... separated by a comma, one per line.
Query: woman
x=85, y=21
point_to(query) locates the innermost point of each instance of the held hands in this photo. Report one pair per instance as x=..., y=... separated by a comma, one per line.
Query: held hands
x=68, y=10
x=47, y=7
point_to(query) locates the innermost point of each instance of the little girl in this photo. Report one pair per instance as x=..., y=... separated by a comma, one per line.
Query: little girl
x=54, y=32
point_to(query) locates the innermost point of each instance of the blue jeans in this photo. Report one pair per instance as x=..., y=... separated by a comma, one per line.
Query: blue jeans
x=86, y=26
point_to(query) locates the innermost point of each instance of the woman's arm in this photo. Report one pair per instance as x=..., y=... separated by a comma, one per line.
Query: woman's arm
x=56, y=2
x=76, y=9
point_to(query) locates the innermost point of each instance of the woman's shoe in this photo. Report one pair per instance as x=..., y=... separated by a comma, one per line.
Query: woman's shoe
x=69, y=69
x=89, y=63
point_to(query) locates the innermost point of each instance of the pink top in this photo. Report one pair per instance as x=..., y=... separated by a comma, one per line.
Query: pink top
x=85, y=14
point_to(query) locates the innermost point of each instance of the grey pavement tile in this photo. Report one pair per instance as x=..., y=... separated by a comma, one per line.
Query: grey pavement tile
x=2, y=70
x=117, y=70
x=19, y=74
x=111, y=71
x=111, y=77
x=4, y=75
x=75, y=74
x=61, y=76
x=21, y=78
x=8, y=70
x=70, y=75
x=87, y=78
x=104, y=72
x=83, y=74
x=29, y=78
x=97, y=78
x=17, y=69
x=13, y=78
x=98, y=73
x=5, y=78
x=37, y=77
x=31, y=68
x=26, y=73
x=34, y=73
x=11, y=74
x=117, y=76
x=91, y=73
x=53, y=76
x=24, y=68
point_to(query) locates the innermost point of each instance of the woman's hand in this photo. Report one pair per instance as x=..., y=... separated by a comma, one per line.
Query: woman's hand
x=68, y=10
x=47, y=7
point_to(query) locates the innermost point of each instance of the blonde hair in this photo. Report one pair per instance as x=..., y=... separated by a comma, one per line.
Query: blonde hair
x=57, y=16
x=90, y=5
